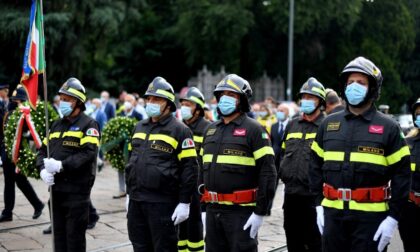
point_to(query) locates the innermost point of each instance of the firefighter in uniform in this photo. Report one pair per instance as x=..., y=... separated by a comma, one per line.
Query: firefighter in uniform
x=410, y=218
x=359, y=155
x=299, y=203
x=161, y=174
x=238, y=175
x=70, y=168
x=192, y=113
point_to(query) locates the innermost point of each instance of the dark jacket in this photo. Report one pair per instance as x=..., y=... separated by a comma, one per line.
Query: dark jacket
x=134, y=114
x=74, y=141
x=163, y=162
x=361, y=151
x=109, y=110
x=238, y=156
x=296, y=153
x=414, y=145
x=277, y=140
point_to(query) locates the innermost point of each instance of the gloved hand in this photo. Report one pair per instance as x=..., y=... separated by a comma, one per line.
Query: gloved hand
x=127, y=202
x=385, y=231
x=203, y=219
x=255, y=221
x=1, y=162
x=320, y=218
x=52, y=166
x=181, y=213
x=47, y=177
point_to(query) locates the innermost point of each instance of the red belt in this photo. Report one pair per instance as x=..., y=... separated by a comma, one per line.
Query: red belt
x=237, y=197
x=415, y=197
x=373, y=194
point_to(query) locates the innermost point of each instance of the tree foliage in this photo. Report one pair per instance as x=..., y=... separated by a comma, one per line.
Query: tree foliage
x=123, y=44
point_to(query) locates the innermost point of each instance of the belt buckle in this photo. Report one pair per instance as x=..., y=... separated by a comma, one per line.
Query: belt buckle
x=387, y=193
x=213, y=197
x=345, y=194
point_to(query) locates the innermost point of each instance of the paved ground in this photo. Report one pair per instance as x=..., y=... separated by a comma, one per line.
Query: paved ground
x=110, y=234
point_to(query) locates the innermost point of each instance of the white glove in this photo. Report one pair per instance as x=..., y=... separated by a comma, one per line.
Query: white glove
x=52, y=166
x=255, y=221
x=320, y=218
x=203, y=219
x=385, y=231
x=181, y=213
x=1, y=162
x=127, y=202
x=47, y=177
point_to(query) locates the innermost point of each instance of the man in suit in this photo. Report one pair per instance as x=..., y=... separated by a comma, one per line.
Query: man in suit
x=107, y=107
x=129, y=108
x=98, y=114
x=277, y=130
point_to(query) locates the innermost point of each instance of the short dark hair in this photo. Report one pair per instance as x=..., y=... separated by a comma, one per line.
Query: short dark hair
x=332, y=97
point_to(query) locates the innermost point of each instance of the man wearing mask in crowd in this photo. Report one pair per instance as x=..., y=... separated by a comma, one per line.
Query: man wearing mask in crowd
x=107, y=107
x=299, y=203
x=98, y=114
x=130, y=108
x=266, y=118
x=277, y=131
x=333, y=102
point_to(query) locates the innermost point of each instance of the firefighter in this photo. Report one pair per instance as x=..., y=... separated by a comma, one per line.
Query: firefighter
x=192, y=113
x=70, y=168
x=161, y=173
x=359, y=155
x=238, y=176
x=299, y=203
x=410, y=217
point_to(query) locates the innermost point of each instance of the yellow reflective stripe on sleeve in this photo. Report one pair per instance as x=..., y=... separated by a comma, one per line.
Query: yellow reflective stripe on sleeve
x=130, y=147
x=369, y=207
x=294, y=135
x=413, y=167
x=166, y=93
x=283, y=145
x=196, y=100
x=77, y=134
x=140, y=135
x=198, y=139
x=333, y=156
x=195, y=244
x=182, y=242
x=187, y=153
x=167, y=139
x=55, y=135
x=368, y=158
x=207, y=158
x=315, y=147
x=337, y=204
x=78, y=93
x=238, y=160
x=398, y=155
x=201, y=151
x=89, y=139
x=267, y=150
x=310, y=135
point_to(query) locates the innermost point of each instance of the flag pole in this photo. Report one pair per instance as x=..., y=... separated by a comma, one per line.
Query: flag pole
x=47, y=127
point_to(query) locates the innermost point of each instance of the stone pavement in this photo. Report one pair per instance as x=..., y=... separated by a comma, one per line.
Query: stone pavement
x=110, y=234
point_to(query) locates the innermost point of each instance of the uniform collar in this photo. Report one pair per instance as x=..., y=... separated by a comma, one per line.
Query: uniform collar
x=317, y=121
x=238, y=120
x=72, y=120
x=367, y=115
x=195, y=123
x=163, y=121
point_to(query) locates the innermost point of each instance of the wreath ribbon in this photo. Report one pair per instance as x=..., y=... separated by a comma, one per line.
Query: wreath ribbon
x=24, y=118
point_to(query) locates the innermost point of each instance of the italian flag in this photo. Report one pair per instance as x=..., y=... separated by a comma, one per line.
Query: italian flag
x=34, y=60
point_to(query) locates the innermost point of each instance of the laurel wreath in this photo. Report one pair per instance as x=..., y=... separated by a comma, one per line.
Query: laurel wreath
x=26, y=163
x=115, y=139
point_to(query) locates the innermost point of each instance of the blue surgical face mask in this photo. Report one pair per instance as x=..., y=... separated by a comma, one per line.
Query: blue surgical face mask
x=153, y=110
x=280, y=116
x=186, y=113
x=307, y=106
x=65, y=108
x=355, y=93
x=263, y=113
x=417, y=121
x=227, y=105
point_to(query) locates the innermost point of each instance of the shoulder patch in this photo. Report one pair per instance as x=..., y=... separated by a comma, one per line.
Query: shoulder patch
x=333, y=126
x=92, y=132
x=188, y=143
x=265, y=135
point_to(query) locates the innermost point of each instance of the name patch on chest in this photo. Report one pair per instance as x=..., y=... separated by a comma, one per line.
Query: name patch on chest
x=239, y=132
x=333, y=126
x=376, y=129
x=71, y=144
x=372, y=150
x=211, y=132
x=232, y=152
x=161, y=148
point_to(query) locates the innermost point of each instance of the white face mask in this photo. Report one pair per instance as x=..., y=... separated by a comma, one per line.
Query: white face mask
x=128, y=105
